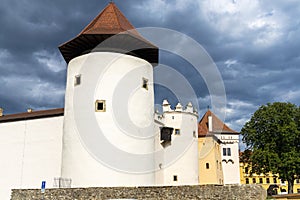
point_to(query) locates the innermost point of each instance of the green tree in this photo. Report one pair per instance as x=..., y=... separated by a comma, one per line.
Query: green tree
x=273, y=136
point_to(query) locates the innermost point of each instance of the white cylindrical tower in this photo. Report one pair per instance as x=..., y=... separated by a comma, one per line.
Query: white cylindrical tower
x=109, y=105
x=180, y=165
x=117, y=111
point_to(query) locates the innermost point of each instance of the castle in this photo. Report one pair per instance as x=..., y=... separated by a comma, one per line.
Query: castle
x=108, y=133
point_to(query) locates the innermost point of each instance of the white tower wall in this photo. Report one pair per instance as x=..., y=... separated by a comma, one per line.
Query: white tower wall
x=180, y=157
x=114, y=147
x=230, y=163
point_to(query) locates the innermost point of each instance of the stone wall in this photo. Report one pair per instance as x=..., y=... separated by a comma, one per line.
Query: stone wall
x=207, y=192
x=287, y=196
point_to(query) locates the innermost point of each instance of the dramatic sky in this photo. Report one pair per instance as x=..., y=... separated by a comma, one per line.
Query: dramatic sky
x=255, y=45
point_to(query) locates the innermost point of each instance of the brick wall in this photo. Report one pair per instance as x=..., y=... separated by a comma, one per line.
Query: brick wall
x=207, y=192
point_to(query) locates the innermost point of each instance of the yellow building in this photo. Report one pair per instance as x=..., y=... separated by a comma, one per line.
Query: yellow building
x=210, y=162
x=266, y=181
x=210, y=159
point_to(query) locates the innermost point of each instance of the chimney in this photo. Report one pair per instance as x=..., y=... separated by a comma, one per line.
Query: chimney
x=29, y=110
x=210, y=128
x=166, y=106
x=1, y=112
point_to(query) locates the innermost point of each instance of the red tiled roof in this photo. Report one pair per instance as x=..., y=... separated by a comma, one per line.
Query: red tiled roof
x=217, y=125
x=32, y=115
x=110, y=22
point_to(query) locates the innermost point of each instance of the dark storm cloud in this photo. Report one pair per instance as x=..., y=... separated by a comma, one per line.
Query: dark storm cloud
x=254, y=44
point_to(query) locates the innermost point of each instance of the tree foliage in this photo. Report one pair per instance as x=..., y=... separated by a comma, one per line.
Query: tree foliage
x=273, y=136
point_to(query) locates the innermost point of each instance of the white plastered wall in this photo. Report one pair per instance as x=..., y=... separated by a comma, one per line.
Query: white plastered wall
x=30, y=152
x=117, y=76
x=231, y=171
x=180, y=156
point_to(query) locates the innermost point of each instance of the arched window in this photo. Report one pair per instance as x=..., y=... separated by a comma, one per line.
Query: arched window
x=247, y=180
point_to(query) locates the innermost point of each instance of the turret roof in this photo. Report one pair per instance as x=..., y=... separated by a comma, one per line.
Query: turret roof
x=217, y=125
x=110, y=22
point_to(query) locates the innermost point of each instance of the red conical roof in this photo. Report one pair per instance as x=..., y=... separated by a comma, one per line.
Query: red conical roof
x=110, y=22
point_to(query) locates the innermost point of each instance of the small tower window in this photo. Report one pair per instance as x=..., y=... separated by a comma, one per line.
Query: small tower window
x=100, y=106
x=175, y=178
x=145, y=83
x=194, y=134
x=177, y=131
x=77, y=80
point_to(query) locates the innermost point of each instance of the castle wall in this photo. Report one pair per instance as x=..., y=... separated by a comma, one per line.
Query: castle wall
x=204, y=192
x=30, y=152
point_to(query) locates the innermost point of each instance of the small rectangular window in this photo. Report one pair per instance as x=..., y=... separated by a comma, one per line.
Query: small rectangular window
x=177, y=131
x=100, y=106
x=267, y=180
x=247, y=180
x=145, y=83
x=207, y=165
x=194, y=134
x=228, y=152
x=175, y=178
x=275, y=180
x=77, y=80
x=224, y=151
x=260, y=180
x=253, y=180
x=166, y=133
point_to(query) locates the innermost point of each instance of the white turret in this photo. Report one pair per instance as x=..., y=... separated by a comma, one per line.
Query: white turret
x=179, y=165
